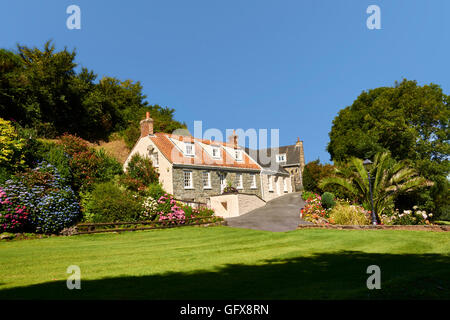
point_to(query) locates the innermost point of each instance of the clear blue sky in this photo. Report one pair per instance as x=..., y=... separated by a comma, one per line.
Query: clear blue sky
x=245, y=64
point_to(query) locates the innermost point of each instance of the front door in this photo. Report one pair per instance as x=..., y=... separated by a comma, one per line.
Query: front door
x=223, y=182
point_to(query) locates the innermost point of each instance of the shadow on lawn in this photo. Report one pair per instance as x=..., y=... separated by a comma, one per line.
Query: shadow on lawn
x=323, y=276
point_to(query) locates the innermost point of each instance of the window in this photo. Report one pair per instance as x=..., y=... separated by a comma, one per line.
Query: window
x=155, y=160
x=239, y=184
x=281, y=157
x=216, y=152
x=270, y=183
x=223, y=181
x=189, y=149
x=253, y=177
x=188, y=180
x=206, y=176
x=238, y=154
x=285, y=185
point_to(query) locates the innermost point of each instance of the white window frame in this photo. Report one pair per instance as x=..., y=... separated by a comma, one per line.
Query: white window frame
x=191, y=180
x=253, y=185
x=208, y=179
x=239, y=181
x=155, y=160
x=238, y=154
x=214, y=148
x=222, y=181
x=270, y=183
x=190, y=144
x=279, y=157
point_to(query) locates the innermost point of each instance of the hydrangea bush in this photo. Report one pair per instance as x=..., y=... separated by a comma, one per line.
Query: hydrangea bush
x=314, y=211
x=51, y=206
x=169, y=210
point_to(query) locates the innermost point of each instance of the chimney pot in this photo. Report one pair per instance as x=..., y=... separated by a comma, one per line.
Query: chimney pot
x=146, y=125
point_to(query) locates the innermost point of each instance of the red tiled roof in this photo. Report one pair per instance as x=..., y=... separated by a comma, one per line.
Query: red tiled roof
x=202, y=157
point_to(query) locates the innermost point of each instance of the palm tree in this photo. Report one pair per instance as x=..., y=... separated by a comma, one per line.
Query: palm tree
x=391, y=178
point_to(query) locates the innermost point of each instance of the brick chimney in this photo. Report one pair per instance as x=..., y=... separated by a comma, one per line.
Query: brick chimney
x=302, y=153
x=233, y=139
x=146, y=125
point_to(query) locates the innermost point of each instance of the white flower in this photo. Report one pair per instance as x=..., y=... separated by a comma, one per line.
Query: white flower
x=415, y=207
x=407, y=211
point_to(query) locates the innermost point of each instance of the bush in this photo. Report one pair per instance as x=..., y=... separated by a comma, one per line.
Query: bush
x=11, y=145
x=141, y=168
x=14, y=217
x=155, y=190
x=87, y=165
x=313, y=210
x=407, y=217
x=307, y=195
x=347, y=214
x=168, y=209
x=52, y=205
x=57, y=157
x=110, y=203
x=328, y=200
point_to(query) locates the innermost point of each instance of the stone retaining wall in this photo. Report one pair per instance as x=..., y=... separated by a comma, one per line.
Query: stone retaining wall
x=377, y=227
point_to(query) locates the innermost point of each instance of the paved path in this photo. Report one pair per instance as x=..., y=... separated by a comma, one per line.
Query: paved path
x=280, y=214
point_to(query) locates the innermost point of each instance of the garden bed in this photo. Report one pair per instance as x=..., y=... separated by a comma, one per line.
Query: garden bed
x=376, y=227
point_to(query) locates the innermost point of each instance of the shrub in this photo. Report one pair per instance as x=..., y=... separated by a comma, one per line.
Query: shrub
x=313, y=210
x=307, y=194
x=141, y=168
x=407, y=217
x=110, y=203
x=14, y=217
x=346, y=214
x=10, y=145
x=201, y=212
x=61, y=160
x=87, y=165
x=328, y=200
x=168, y=209
x=155, y=190
x=52, y=205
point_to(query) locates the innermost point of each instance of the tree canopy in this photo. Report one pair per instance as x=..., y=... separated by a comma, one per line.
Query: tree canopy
x=42, y=89
x=409, y=120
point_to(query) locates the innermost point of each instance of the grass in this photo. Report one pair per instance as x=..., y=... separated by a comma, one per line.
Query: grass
x=229, y=263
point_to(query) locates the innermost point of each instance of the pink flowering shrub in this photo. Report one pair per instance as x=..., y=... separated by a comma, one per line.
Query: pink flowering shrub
x=169, y=210
x=14, y=217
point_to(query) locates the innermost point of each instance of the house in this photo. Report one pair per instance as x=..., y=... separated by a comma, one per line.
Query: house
x=195, y=169
x=275, y=180
x=286, y=159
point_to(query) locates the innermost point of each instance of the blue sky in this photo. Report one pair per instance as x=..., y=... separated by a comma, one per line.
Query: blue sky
x=288, y=65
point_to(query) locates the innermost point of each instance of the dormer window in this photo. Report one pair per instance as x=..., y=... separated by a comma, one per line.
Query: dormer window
x=189, y=149
x=216, y=152
x=281, y=157
x=238, y=154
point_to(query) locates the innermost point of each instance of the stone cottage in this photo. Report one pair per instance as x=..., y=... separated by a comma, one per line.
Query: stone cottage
x=195, y=169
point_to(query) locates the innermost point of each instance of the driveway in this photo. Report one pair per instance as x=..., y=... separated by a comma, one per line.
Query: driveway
x=280, y=214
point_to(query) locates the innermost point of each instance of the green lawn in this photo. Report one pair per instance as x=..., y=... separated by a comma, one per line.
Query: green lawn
x=229, y=263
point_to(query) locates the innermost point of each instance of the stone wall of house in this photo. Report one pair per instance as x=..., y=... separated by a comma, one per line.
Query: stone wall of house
x=200, y=194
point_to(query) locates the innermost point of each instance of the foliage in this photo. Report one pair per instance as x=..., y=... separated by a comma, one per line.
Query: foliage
x=87, y=165
x=141, y=169
x=407, y=217
x=201, y=212
x=346, y=214
x=391, y=178
x=109, y=203
x=52, y=205
x=409, y=121
x=42, y=89
x=307, y=194
x=10, y=145
x=328, y=200
x=313, y=172
x=155, y=190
